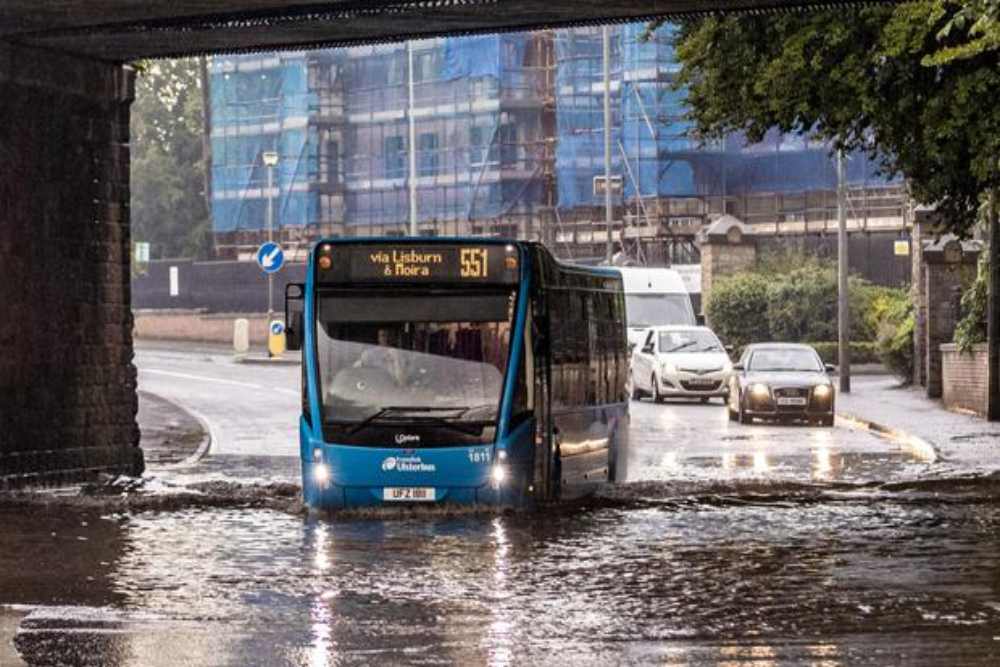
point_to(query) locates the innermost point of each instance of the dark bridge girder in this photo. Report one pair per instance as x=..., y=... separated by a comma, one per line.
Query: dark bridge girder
x=123, y=30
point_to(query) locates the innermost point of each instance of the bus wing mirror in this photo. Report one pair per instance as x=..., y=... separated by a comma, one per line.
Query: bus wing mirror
x=294, y=305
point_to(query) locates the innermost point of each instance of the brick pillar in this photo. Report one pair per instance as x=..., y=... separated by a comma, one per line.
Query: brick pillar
x=67, y=382
x=948, y=264
x=926, y=222
x=727, y=247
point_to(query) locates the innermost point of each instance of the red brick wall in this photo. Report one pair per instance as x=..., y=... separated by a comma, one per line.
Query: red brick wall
x=963, y=378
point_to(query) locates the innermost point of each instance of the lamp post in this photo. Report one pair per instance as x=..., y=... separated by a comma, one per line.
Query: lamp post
x=270, y=160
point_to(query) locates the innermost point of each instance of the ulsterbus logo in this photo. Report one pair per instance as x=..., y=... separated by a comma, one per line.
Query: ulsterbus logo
x=407, y=464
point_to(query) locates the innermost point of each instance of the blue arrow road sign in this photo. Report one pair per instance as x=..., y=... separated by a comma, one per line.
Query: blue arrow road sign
x=277, y=328
x=270, y=257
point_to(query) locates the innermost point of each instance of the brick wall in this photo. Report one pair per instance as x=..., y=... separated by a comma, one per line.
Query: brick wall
x=194, y=326
x=67, y=383
x=963, y=378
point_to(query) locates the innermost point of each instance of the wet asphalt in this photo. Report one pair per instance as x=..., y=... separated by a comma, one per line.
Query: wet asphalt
x=730, y=545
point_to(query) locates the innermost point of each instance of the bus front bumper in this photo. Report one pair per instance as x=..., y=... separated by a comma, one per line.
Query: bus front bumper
x=336, y=477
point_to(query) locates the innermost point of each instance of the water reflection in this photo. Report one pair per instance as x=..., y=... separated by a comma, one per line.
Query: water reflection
x=671, y=584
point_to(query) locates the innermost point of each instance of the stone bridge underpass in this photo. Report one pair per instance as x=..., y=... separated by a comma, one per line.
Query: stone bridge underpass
x=67, y=383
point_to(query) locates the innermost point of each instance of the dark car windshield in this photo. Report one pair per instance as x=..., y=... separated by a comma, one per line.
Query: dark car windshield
x=688, y=341
x=785, y=359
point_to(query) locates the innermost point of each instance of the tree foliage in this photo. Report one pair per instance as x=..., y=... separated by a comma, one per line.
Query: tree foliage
x=912, y=84
x=168, y=165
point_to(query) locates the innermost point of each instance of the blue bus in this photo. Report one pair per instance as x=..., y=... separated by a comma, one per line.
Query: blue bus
x=458, y=371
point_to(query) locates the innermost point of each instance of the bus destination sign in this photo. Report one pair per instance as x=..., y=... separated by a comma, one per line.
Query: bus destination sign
x=424, y=263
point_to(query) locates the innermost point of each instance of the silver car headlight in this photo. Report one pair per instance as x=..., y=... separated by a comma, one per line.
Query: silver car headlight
x=669, y=368
x=822, y=391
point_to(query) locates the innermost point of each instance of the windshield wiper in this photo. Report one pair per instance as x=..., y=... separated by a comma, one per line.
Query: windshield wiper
x=396, y=409
x=682, y=346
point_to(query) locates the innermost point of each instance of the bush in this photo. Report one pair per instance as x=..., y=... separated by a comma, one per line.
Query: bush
x=894, y=343
x=737, y=309
x=971, y=328
x=861, y=353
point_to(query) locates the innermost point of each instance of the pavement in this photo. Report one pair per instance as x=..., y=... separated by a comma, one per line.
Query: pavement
x=961, y=443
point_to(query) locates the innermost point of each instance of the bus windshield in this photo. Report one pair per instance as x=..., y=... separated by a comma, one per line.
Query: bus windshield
x=652, y=310
x=395, y=357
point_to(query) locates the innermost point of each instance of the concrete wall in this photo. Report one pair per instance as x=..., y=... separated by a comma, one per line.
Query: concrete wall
x=67, y=383
x=963, y=378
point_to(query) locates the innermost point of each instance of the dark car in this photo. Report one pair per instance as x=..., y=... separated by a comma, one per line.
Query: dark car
x=781, y=381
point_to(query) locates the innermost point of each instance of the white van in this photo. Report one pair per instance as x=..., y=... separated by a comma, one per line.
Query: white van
x=654, y=297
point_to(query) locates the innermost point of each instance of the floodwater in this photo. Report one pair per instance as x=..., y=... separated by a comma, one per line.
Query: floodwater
x=718, y=574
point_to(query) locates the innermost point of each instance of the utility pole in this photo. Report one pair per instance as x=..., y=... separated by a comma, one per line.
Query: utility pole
x=843, y=287
x=606, y=38
x=993, y=312
x=412, y=179
x=270, y=159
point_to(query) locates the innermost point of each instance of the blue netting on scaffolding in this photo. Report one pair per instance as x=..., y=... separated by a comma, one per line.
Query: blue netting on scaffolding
x=260, y=104
x=651, y=147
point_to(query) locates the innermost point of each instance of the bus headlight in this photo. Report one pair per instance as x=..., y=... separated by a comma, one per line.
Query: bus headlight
x=321, y=473
x=498, y=474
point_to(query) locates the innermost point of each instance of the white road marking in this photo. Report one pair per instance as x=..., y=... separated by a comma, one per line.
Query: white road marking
x=234, y=383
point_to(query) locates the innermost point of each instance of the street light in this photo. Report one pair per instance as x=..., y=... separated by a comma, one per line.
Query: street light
x=270, y=160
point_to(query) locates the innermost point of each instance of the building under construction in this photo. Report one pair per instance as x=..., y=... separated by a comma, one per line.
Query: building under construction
x=508, y=138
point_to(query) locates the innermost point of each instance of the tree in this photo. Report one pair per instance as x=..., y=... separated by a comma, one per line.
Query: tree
x=168, y=166
x=912, y=84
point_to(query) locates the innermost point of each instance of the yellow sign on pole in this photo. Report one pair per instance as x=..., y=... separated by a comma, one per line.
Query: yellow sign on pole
x=901, y=248
x=276, y=339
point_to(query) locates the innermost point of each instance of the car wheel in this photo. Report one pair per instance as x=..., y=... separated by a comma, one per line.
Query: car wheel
x=657, y=396
x=827, y=420
x=733, y=415
x=634, y=391
x=744, y=417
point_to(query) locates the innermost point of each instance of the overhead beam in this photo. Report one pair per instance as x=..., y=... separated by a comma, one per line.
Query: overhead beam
x=123, y=30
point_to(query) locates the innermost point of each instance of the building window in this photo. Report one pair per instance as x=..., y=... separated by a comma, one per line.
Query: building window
x=428, y=154
x=395, y=157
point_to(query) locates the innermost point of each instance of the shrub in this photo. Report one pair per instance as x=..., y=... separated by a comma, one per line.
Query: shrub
x=971, y=329
x=737, y=309
x=894, y=343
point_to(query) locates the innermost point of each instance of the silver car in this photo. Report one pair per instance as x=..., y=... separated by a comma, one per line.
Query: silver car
x=781, y=382
x=680, y=361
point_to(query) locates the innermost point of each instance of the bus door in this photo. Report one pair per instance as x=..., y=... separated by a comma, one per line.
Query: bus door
x=546, y=477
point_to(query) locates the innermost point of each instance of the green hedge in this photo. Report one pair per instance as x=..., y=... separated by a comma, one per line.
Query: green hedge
x=794, y=299
x=861, y=353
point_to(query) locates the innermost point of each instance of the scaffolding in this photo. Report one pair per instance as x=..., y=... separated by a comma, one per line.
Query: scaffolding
x=508, y=141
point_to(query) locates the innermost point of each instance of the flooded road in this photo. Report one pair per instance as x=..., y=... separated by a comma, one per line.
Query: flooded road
x=731, y=545
x=910, y=577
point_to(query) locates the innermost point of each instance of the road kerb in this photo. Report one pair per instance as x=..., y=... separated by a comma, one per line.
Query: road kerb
x=923, y=449
x=208, y=435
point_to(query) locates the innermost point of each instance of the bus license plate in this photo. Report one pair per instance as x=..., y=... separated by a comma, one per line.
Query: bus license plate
x=408, y=494
x=791, y=401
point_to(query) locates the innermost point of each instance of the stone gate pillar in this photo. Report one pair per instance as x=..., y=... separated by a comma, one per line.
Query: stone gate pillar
x=727, y=247
x=948, y=264
x=67, y=382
